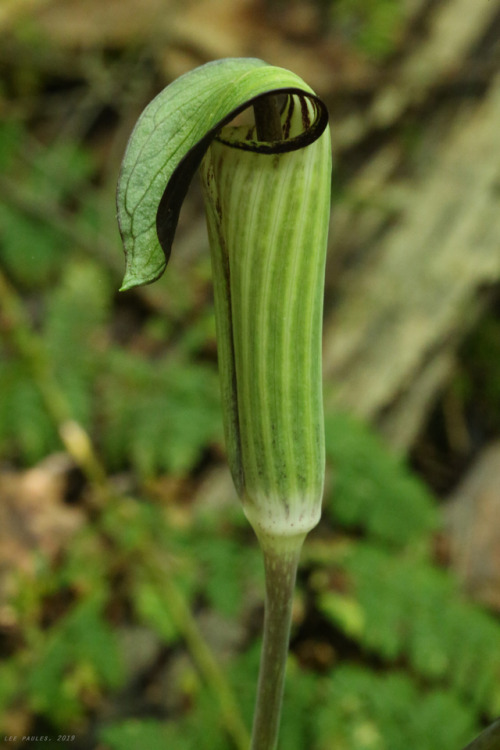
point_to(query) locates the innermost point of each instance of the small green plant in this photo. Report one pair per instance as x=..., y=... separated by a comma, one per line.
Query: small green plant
x=267, y=197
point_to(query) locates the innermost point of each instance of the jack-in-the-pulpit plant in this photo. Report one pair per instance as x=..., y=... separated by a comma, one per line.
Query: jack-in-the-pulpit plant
x=266, y=185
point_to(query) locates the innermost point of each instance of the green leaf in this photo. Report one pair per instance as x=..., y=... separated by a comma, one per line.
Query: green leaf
x=407, y=609
x=372, y=489
x=153, y=610
x=25, y=428
x=169, y=141
x=134, y=733
x=368, y=711
x=10, y=683
x=228, y=571
x=172, y=417
x=81, y=650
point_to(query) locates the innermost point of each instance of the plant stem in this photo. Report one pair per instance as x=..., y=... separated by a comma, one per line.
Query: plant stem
x=267, y=119
x=487, y=740
x=30, y=347
x=280, y=570
x=202, y=655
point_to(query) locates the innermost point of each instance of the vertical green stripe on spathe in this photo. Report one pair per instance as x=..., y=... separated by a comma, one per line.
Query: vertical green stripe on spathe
x=268, y=221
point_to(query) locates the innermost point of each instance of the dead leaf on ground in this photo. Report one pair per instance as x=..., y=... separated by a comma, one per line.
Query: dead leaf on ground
x=33, y=520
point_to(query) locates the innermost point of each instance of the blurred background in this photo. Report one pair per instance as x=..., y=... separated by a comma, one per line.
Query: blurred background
x=131, y=586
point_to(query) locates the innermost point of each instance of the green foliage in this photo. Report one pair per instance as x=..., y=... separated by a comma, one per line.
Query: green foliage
x=159, y=414
x=371, y=489
x=372, y=25
x=81, y=654
x=33, y=246
x=303, y=699
x=134, y=733
x=25, y=428
x=201, y=733
x=406, y=609
x=363, y=710
x=76, y=312
x=226, y=592
x=10, y=675
x=203, y=730
x=351, y=709
x=151, y=608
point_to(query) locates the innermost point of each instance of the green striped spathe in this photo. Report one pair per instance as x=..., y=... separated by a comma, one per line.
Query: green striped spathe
x=268, y=218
